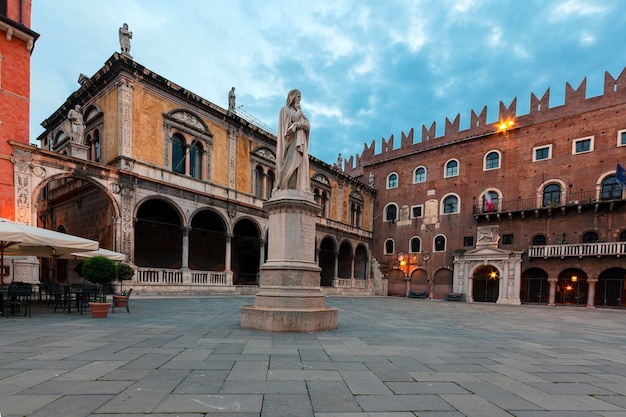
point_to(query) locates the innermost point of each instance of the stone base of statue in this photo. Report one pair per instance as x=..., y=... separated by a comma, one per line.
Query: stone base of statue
x=78, y=150
x=290, y=298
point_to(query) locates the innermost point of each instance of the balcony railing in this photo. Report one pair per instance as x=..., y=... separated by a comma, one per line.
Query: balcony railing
x=579, y=250
x=577, y=198
x=176, y=276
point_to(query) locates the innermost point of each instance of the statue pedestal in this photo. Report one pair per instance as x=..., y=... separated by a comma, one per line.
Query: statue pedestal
x=78, y=151
x=290, y=298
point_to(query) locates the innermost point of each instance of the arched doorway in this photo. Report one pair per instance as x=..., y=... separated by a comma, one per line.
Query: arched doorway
x=571, y=287
x=360, y=262
x=245, y=253
x=158, y=235
x=326, y=261
x=396, y=283
x=486, y=284
x=534, y=286
x=78, y=206
x=442, y=283
x=345, y=261
x=419, y=281
x=611, y=288
x=207, y=242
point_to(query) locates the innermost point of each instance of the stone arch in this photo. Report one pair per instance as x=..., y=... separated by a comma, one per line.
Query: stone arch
x=207, y=240
x=344, y=260
x=360, y=262
x=326, y=260
x=245, y=251
x=572, y=287
x=486, y=282
x=611, y=288
x=158, y=234
x=442, y=282
x=534, y=286
x=419, y=280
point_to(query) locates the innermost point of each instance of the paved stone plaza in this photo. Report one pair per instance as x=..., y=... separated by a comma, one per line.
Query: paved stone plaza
x=393, y=357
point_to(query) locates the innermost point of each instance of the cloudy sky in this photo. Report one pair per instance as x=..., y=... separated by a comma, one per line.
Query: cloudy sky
x=366, y=69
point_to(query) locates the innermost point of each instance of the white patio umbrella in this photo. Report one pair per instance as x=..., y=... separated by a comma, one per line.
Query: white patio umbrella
x=20, y=239
x=112, y=255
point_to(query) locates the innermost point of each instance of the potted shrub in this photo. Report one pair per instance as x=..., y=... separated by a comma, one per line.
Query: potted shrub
x=101, y=271
x=125, y=272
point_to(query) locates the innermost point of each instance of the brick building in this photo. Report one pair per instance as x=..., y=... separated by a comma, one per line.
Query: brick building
x=177, y=183
x=16, y=45
x=526, y=209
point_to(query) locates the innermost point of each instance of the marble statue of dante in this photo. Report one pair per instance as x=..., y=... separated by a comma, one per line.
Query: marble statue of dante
x=231, y=100
x=125, y=37
x=77, y=131
x=292, y=148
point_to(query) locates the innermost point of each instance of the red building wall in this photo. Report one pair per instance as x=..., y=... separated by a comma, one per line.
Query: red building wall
x=16, y=44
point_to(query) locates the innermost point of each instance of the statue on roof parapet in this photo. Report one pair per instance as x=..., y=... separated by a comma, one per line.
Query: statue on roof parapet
x=125, y=36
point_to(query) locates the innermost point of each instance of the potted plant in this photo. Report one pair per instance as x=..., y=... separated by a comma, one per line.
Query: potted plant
x=100, y=270
x=125, y=272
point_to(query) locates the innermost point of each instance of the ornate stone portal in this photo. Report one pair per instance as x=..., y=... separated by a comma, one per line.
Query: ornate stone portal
x=290, y=297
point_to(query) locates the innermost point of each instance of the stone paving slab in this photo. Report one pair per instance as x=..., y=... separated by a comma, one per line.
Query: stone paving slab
x=389, y=357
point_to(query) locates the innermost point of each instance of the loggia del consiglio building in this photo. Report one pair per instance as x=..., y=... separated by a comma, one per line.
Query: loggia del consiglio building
x=177, y=184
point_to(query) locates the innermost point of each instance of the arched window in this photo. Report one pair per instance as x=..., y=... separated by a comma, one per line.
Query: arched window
x=450, y=204
x=420, y=175
x=611, y=190
x=440, y=243
x=258, y=182
x=452, y=168
x=389, y=246
x=490, y=201
x=321, y=198
x=178, y=154
x=356, y=214
x=622, y=236
x=415, y=245
x=391, y=213
x=552, y=195
x=195, y=161
x=590, y=237
x=492, y=160
x=539, y=240
x=392, y=180
x=269, y=184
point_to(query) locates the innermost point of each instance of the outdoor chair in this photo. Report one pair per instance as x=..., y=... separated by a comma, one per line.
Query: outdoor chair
x=127, y=298
x=18, y=296
x=58, y=297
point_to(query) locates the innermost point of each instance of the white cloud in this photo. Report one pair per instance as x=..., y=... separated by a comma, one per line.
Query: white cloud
x=577, y=8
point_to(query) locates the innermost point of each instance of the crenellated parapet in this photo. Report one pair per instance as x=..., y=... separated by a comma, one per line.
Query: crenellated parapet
x=540, y=111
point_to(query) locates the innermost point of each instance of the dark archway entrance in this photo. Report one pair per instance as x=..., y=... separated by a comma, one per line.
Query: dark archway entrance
x=345, y=260
x=245, y=253
x=360, y=262
x=534, y=286
x=158, y=236
x=207, y=242
x=326, y=261
x=571, y=287
x=486, y=284
x=611, y=288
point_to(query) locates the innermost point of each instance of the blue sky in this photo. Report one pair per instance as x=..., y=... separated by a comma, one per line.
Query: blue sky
x=366, y=69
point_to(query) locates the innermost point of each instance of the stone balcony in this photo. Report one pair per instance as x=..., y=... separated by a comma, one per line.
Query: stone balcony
x=578, y=250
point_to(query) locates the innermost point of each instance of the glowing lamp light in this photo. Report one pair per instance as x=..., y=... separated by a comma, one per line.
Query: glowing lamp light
x=504, y=125
x=493, y=275
x=574, y=278
x=568, y=288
